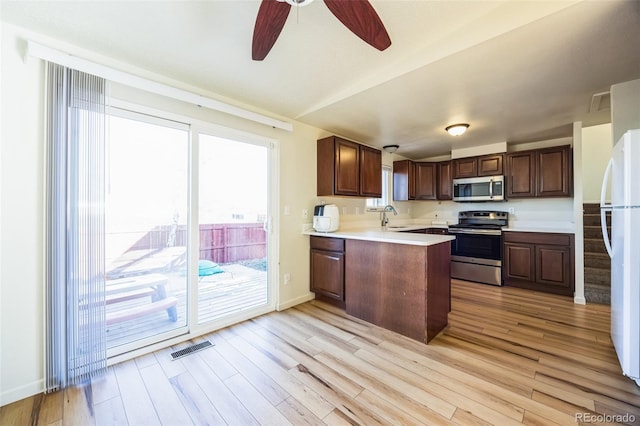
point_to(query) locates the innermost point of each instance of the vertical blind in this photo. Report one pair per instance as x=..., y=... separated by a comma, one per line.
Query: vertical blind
x=75, y=300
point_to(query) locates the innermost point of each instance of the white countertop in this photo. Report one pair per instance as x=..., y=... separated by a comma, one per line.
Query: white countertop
x=548, y=227
x=389, y=236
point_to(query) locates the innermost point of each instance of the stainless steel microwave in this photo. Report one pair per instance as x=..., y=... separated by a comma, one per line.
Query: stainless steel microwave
x=483, y=188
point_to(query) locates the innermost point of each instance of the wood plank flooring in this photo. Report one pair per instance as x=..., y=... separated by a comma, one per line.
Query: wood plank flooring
x=508, y=356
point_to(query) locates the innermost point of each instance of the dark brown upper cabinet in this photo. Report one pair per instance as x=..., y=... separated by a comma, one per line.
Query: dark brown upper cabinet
x=521, y=174
x=370, y=172
x=554, y=172
x=543, y=172
x=465, y=167
x=348, y=168
x=444, y=183
x=485, y=165
x=426, y=181
x=491, y=165
x=404, y=180
x=422, y=180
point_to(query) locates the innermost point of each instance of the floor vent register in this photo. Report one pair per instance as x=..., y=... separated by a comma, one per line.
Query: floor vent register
x=191, y=349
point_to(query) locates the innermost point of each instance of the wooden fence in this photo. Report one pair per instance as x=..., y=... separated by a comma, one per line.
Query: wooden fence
x=220, y=243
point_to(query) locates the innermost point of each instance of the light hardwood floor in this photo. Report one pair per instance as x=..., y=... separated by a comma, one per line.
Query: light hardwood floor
x=508, y=356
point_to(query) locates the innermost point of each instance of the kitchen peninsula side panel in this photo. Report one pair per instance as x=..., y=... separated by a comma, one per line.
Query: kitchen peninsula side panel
x=398, y=287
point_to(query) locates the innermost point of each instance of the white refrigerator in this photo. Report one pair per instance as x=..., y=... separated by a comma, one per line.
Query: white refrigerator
x=624, y=249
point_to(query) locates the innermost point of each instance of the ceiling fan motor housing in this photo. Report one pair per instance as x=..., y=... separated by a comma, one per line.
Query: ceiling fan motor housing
x=298, y=3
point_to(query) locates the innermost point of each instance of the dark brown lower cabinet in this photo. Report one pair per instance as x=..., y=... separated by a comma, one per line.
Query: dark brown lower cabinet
x=539, y=261
x=327, y=269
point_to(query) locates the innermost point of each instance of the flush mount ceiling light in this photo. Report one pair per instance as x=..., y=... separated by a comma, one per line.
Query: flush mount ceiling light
x=457, y=129
x=391, y=148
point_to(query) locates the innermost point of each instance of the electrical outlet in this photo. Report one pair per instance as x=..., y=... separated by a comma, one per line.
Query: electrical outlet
x=357, y=210
x=287, y=278
x=305, y=214
x=512, y=210
x=287, y=210
x=344, y=210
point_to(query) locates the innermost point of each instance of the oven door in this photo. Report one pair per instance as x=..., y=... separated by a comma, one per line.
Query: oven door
x=477, y=246
x=477, y=257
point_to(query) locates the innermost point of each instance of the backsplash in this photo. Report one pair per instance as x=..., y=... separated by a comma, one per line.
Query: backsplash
x=529, y=210
x=353, y=211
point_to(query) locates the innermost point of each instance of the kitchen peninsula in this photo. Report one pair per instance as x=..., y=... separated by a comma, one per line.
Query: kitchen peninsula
x=398, y=281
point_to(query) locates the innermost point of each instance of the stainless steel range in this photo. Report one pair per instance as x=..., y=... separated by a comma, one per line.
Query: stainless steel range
x=476, y=253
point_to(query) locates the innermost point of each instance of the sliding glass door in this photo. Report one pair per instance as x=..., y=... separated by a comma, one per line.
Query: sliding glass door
x=147, y=186
x=187, y=229
x=233, y=212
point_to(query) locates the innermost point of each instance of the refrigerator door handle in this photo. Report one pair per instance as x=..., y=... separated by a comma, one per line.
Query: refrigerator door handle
x=604, y=208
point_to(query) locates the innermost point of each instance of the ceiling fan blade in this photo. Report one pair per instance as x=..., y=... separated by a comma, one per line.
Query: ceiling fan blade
x=271, y=18
x=361, y=18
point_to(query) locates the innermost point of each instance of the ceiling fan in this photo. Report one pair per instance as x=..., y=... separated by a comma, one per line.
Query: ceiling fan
x=357, y=15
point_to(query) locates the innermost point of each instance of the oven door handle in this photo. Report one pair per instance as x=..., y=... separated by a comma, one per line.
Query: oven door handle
x=491, y=188
x=475, y=231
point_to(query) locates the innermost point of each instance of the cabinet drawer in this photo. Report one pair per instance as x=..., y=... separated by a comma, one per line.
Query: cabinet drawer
x=537, y=238
x=437, y=231
x=327, y=243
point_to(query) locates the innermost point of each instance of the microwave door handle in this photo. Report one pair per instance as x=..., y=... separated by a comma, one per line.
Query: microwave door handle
x=491, y=188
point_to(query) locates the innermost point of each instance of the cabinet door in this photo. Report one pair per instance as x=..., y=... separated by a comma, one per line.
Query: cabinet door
x=465, y=167
x=370, y=172
x=327, y=274
x=404, y=180
x=491, y=165
x=425, y=181
x=521, y=174
x=347, y=167
x=444, y=189
x=519, y=262
x=553, y=266
x=554, y=172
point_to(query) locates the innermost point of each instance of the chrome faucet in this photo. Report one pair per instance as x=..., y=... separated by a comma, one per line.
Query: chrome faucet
x=384, y=220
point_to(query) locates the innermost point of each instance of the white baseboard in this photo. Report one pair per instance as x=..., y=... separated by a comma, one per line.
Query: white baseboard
x=16, y=394
x=579, y=300
x=293, y=302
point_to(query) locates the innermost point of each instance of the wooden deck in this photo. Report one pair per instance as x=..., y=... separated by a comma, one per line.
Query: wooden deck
x=237, y=289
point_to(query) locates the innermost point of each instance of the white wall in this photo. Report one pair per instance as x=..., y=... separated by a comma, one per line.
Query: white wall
x=21, y=225
x=625, y=108
x=22, y=208
x=596, y=151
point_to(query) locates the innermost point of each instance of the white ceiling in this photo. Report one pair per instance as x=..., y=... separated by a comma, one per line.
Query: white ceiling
x=517, y=70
